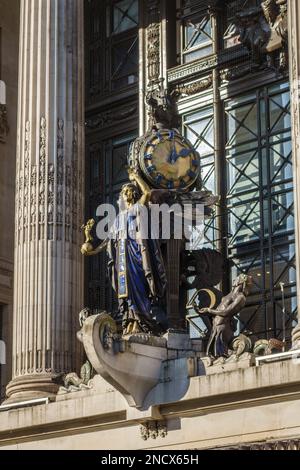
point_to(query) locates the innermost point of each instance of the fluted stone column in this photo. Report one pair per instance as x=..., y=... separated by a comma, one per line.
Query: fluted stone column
x=48, y=266
x=294, y=59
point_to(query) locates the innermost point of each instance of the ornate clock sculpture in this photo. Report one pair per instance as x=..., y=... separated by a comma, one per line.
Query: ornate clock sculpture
x=151, y=277
x=170, y=165
x=167, y=160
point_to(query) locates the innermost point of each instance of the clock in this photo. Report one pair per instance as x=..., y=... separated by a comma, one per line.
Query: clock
x=168, y=160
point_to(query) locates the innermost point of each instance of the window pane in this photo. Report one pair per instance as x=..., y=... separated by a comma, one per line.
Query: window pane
x=199, y=130
x=125, y=15
x=197, y=54
x=280, y=117
x=242, y=124
x=125, y=63
x=197, y=38
x=243, y=172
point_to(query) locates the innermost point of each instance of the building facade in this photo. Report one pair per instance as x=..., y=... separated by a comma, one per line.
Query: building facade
x=84, y=70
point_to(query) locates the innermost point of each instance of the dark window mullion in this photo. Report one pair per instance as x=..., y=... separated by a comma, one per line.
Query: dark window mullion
x=270, y=212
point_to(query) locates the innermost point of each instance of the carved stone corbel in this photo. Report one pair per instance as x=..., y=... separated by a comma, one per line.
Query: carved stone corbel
x=153, y=430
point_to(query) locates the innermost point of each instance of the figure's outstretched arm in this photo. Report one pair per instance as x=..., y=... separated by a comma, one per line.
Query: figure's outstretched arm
x=210, y=311
x=97, y=250
x=231, y=309
x=146, y=192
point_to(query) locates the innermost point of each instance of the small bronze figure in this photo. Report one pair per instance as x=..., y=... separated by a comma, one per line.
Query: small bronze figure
x=222, y=331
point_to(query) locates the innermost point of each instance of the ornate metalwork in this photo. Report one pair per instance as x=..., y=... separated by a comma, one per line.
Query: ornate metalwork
x=246, y=50
x=234, y=73
x=260, y=206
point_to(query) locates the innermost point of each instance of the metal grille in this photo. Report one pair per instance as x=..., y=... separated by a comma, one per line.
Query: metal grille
x=260, y=206
x=112, y=47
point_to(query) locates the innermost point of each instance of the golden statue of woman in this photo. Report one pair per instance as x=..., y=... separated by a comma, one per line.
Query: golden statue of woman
x=136, y=266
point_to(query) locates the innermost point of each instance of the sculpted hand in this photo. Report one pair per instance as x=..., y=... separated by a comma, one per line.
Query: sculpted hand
x=132, y=174
x=204, y=310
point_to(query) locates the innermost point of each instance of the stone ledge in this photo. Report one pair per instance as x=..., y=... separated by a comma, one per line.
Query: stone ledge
x=104, y=407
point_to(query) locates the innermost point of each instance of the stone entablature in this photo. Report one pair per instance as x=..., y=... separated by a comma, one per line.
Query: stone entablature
x=290, y=444
x=247, y=407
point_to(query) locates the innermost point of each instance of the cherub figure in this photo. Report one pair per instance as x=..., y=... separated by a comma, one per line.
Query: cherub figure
x=87, y=246
x=87, y=230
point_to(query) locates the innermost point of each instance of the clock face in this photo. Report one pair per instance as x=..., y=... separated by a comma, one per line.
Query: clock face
x=169, y=160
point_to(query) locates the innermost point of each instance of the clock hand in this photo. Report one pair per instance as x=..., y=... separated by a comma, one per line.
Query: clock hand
x=172, y=157
x=184, y=152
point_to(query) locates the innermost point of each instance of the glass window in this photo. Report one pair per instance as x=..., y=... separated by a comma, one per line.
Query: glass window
x=197, y=38
x=111, y=37
x=199, y=130
x=125, y=63
x=260, y=205
x=125, y=15
x=122, y=38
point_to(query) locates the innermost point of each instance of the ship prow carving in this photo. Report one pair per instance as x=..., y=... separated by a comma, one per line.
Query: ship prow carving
x=131, y=364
